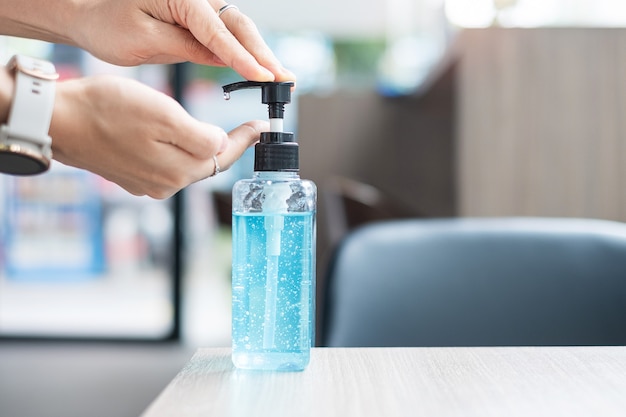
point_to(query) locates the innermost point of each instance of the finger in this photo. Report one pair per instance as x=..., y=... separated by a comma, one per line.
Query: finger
x=211, y=32
x=246, y=32
x=208, y=141
x=177, y=45
x=179, y=128
x=240, y=139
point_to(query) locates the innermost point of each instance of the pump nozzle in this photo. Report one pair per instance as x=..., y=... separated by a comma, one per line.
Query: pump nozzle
x=274, y=94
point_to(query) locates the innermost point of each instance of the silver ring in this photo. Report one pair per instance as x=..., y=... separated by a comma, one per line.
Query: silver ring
x=226, y=7
x=217, y=166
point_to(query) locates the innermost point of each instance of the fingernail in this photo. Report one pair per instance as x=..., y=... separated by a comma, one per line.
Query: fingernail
x=269, y=75
x=289, y=75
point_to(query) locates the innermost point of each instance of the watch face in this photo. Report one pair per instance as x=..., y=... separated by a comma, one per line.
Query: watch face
x=16, y=163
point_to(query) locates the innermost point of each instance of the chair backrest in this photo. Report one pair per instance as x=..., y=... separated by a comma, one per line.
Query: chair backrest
x=350, y=203
x=478, y=282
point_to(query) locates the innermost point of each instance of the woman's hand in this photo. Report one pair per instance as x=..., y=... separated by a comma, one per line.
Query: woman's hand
x=133, y=32
x=139, y=138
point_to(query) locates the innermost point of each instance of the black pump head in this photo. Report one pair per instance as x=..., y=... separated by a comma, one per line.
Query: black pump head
x=274, y=94
x=277, y=150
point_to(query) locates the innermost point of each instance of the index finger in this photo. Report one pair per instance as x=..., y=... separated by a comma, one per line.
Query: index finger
x=209, y=30
x=246, y=32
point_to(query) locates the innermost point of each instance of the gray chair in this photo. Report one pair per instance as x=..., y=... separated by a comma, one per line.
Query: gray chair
x=478, y=282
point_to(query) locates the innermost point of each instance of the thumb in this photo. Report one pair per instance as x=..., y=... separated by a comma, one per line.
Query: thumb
x=239, y=140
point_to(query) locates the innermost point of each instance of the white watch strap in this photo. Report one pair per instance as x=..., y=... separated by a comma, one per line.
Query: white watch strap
x=33, y=101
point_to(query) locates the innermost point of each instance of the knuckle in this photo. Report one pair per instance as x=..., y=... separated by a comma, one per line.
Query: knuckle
x=160, y=194
x=193, y=47
x=165, y=184
x=244, y=22
x=217, y=36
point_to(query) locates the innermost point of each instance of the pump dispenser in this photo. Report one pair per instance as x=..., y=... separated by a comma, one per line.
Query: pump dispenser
x=273, y=248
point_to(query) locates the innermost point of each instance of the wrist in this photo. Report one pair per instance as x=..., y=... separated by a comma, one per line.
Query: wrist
x=68, y=124
x=24, y=139
x=47, y=20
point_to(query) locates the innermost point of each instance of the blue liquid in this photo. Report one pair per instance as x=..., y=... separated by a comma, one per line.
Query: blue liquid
x=272, y=326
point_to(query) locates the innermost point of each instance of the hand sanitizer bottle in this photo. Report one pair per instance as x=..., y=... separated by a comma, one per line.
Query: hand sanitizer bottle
x=273, y=282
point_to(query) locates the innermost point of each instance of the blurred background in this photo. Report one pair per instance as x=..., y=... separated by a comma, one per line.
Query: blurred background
x=419, y=108
x=390, y=88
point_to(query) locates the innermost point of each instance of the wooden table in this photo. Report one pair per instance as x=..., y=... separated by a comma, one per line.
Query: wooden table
x=389, y=382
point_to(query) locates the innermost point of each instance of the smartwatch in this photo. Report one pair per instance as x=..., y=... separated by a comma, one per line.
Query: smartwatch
x=25, y=146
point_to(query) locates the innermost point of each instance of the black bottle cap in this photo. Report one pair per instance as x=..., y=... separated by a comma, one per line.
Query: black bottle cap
x=277, y=151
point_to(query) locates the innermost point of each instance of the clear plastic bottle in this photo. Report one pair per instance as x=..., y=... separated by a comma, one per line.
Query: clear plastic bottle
x=274, y=237
x=273, y=271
